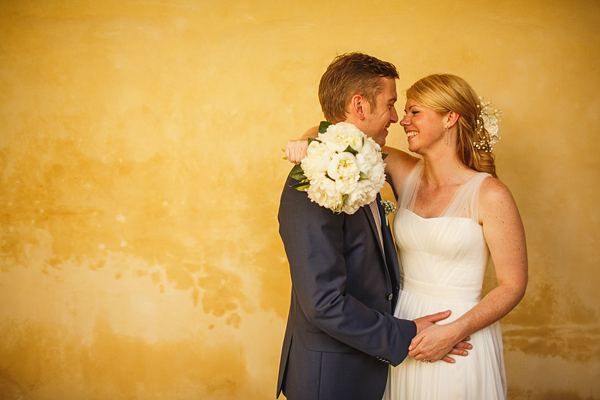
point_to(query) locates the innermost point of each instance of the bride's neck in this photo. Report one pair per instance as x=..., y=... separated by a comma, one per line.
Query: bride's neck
x=440, y=171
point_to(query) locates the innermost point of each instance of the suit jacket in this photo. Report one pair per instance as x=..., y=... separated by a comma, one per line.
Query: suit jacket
x=341, y=334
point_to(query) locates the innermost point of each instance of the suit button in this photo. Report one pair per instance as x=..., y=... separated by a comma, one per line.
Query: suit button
x=390, y=296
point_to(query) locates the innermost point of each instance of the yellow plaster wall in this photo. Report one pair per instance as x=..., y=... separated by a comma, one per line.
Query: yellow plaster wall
x=140, y=173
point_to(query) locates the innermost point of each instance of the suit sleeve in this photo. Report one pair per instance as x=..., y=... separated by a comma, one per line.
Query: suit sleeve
x=313, y=237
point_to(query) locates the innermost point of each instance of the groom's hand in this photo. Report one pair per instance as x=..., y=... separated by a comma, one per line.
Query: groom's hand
x=459, y=349
x=428, y=320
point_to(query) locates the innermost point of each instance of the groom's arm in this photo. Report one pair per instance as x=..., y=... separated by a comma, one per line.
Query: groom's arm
x=314, y=242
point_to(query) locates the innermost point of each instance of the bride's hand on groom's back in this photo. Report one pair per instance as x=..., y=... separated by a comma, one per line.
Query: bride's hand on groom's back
x=295, y=150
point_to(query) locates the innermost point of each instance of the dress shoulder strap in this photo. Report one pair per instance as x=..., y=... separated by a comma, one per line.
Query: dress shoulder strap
x=465, y=203
x=408, y=193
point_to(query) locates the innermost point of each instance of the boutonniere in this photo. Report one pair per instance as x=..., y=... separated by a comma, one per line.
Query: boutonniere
x=388, y=208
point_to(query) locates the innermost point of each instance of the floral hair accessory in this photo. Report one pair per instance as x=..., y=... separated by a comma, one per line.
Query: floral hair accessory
x=487, y=126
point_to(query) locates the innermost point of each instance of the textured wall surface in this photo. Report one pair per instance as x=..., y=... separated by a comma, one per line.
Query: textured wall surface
x=141, y=167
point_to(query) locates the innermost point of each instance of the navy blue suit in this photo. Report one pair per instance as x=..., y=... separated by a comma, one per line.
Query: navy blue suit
x=341, y=334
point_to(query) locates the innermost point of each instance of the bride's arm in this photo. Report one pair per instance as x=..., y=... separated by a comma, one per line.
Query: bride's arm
x=505, y=237
x=398, y=165
x=295, y=150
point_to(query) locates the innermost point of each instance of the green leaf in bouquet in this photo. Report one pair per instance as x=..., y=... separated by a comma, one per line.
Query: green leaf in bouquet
x=312, y=139
x=323, y=126
x=349, y=149
x=363, y=176
x=383, y=155
x=340, y=207
x=297, y=173
x=301, y=186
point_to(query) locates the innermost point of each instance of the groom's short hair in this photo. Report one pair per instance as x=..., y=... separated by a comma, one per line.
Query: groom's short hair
x=350, y=74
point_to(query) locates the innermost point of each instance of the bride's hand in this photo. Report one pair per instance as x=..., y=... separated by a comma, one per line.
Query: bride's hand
x=295, y=150
x=436, y=343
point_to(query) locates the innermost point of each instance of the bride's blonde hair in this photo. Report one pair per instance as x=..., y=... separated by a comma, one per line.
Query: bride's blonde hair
x=443, y=93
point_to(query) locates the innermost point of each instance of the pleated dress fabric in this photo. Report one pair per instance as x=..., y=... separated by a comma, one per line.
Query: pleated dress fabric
x=443, y=261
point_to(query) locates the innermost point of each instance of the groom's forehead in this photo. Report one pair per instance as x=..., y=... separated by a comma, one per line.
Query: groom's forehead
x=388, y=89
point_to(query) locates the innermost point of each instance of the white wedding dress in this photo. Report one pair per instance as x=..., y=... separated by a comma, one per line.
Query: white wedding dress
x=443, y=261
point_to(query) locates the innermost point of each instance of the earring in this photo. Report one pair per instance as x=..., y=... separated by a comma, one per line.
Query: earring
x=446, y=137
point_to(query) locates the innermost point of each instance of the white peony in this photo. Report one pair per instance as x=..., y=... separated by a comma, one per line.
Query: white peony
x=341, y=135
x=343, y=169
x=323, y=191
x=317, y=159
x=371, y=152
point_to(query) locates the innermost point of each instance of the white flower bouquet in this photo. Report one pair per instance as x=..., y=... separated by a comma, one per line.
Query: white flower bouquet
x=343, y=169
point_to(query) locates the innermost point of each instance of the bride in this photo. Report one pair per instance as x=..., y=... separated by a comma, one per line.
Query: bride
x=452, y=214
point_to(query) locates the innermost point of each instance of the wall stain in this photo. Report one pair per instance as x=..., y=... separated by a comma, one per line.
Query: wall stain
x=47, y=362
x=139, y=215
x=546, y=395
x=222, y=293
x=576, y=343
x=9, y=389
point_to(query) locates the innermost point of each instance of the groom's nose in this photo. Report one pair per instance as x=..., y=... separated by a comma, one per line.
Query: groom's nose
x=394, y=117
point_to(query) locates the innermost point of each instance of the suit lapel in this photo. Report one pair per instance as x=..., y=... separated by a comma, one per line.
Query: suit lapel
x=388, y=252
x=390, y=249
x=373, y=225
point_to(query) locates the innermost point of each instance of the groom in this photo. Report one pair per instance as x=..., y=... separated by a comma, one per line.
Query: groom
x=341, y=333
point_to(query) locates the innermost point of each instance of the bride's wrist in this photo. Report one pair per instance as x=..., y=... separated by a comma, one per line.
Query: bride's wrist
x=455, y=331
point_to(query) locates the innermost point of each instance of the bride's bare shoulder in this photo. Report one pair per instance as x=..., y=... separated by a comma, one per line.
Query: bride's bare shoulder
x=495, y=198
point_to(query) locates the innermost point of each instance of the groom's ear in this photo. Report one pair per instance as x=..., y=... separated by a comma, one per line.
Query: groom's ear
x=357, y=106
